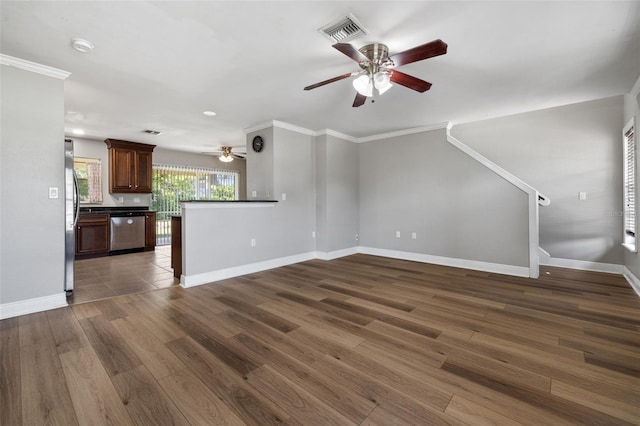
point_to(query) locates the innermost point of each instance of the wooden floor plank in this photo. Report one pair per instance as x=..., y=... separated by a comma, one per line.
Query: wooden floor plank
x=45, y=396
x=305, y=407
x=248, y=405
x=95, y=400
x=115, y=353
x=617, y=409
x=350, y=405
x=158, y=359
x=196, y=401
x=411, y=411
x=474, y=414
x=34, y=328
x=145, y=400
x=10, y=366
x=66, y=331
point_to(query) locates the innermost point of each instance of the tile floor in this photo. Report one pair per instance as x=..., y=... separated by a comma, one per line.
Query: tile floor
x=104, y=277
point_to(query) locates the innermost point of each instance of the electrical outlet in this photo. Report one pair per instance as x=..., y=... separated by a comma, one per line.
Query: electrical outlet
x=53, y=192
x=284, y=197
x=253, y=242
x=357, y=237
x=136, y=199
x=254, y=194
x=121, y=199
x=397, y=234
x=582, y=196
x=313, y=234
x=414, y=236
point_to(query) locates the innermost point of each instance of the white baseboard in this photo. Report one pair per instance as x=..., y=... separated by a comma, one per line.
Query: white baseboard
x=519, y=271
x=187, y=281
x=632, y=280
x=29, y=306
x=323, y=255
x=583, y=265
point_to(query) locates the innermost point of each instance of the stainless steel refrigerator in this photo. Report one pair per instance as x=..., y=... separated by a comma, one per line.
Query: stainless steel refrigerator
x=72, y=208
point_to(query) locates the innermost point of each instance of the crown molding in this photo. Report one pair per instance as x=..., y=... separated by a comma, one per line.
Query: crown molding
x=437, y=126
x=335, y=134
x=260, y=126
x=293, y=128
x=33, y=67
x=309, y=132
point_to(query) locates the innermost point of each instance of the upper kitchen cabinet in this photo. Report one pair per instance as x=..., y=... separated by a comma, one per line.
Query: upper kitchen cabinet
x=130, y=166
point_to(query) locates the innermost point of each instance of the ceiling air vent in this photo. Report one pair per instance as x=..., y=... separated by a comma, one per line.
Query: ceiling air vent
x=152, y=132
x=344, y=30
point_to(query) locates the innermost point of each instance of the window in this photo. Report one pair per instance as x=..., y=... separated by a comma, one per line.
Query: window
x=89, y=174
x=629, y=182
x=173, y=184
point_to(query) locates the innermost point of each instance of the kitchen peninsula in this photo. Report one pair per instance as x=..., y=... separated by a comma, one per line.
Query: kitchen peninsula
x=224, y=239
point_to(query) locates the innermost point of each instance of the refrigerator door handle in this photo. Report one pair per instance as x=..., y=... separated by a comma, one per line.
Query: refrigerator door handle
x=76, y=200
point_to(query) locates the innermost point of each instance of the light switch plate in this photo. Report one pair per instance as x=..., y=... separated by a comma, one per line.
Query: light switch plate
x=582, y=195
x=53, y=192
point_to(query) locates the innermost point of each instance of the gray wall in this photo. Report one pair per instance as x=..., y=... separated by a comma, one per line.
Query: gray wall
x=458, y=208
x=563, y=151
x=219, y=238
x=632, y=109
x=93, y=148
x=294, y=175
x=337, y=194
x=31, y=160
x=260, y=166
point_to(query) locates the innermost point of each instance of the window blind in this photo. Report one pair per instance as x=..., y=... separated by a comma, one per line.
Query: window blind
x=629, y=181
x=174, y=184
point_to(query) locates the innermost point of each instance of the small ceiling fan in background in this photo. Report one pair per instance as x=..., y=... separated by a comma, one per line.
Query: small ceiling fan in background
x=377, y=68
x=225, y=155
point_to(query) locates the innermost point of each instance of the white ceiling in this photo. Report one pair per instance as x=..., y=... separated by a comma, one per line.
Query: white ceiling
x=159, y=65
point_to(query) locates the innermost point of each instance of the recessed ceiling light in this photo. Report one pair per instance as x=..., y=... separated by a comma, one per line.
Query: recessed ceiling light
x=77, y=131
x=209, y=113
x=82, y=45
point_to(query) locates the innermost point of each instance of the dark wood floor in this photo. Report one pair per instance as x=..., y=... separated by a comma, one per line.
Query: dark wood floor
x=359, y=340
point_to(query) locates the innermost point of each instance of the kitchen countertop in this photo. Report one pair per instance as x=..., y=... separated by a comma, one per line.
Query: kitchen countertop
x=113, y=209
x=229, y=201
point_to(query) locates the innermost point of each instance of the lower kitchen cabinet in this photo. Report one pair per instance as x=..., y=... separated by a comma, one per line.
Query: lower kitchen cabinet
x=92, y=234
x=150, y=231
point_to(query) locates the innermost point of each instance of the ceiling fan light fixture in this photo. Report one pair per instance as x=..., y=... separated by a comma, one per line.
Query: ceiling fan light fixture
x=363, y=85
x=225, y=155
x=382, y=81
x=382, y=90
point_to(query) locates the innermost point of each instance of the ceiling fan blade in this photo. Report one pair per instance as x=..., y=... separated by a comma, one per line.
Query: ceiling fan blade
x=359, y=100
x=409, y=81
x=331, y=80
x=351, y=52
x=241, y=157
x=425, y=51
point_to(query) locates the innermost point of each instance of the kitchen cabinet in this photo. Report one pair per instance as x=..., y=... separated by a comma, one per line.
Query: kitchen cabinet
x=150, y=230
x=130, y=166
x=92, y=234
x=176, y=245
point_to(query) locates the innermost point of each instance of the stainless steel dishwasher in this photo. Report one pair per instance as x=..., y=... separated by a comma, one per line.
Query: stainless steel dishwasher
x=127, y=231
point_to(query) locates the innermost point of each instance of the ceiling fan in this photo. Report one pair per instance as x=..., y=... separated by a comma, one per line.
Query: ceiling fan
x=377, y=68
x=225, y=155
